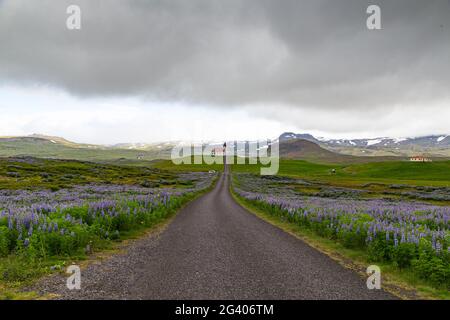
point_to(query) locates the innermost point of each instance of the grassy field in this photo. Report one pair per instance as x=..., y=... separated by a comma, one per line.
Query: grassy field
x=389, y=172
x=170, y=166
x=430, y=172
x=26, y=173
x=22, y=268
x=427, y=182
x=387, y=182
x=54, y=212
x=402, y=282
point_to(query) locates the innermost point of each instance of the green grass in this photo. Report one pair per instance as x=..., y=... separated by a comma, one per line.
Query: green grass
x=32, y=173
x=192, y=167
x=299, y=168
x=377, y=180
x=438, y=171
x=389, y=172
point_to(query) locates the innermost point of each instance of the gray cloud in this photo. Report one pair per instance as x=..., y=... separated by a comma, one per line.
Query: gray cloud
x=308, y=54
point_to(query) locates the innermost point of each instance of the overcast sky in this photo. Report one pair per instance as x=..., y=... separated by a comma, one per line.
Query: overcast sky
x=143, y=71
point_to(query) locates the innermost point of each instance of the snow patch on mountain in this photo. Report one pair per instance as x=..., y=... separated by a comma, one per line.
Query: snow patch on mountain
x=373, y=141
x=397, y=140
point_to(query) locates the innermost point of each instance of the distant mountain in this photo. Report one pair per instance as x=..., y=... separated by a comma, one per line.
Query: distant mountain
x=292, y=136
x=43, y=146
x=52, y=139
x=435, y=145
x=292, y=145
x=146, y=146
x=306, y=150
x=301, y=149
x=41, y=138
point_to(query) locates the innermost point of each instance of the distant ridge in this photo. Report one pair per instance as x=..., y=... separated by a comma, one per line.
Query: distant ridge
x=53, y=139
x=434, y=145
x=300, y=149
x=43, y=138
x=292, y=146
x=52, y=147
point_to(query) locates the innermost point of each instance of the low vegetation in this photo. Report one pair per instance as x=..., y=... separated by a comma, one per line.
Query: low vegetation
x=406, y=235
x=393, y=213
x=42, y=227
x=32, y=173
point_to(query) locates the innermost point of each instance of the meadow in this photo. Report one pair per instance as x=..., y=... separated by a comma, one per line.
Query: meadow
x=391, y=180
x=432, y=173
x=392, y=213
x=54, y=211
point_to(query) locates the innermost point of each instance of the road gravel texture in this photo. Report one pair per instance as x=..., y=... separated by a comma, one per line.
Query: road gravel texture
x=215, y=249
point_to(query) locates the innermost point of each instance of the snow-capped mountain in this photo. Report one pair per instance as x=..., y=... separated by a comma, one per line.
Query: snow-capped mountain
x=434, y=144
x=427, y=141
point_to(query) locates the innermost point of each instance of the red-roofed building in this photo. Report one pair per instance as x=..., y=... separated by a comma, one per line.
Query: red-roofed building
x=420, y=159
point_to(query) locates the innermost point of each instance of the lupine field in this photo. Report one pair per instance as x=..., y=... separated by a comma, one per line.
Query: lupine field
x=38, y=224
x=408, y=234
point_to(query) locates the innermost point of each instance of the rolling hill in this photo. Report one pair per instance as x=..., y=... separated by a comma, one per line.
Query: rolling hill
x=300, y=149
x=292, y=146
x=307, y=150
x=59, y=148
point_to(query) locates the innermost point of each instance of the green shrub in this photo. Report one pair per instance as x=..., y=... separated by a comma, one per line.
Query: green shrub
x=432, y=267
x=4, y=241
x=403, y=254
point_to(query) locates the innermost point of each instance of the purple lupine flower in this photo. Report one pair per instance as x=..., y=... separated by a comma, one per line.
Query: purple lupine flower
x=438, y=247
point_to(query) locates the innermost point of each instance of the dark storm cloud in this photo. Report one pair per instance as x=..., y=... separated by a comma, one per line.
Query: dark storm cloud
x=228, y=52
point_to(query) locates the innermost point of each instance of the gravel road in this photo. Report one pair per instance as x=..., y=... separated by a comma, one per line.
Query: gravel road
x=215, y=249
